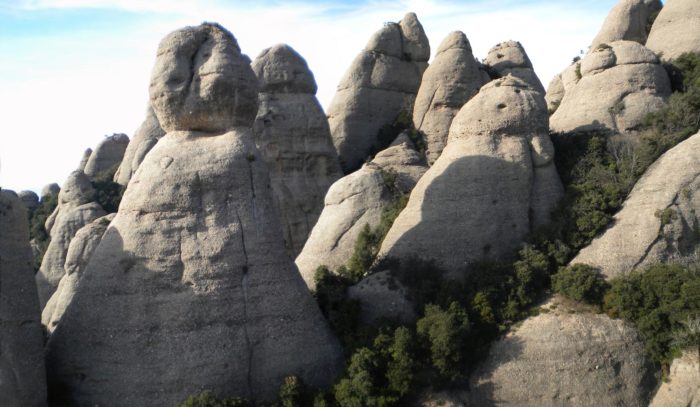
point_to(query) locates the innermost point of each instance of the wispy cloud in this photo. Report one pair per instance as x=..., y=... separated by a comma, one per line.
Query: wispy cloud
x=75, y=70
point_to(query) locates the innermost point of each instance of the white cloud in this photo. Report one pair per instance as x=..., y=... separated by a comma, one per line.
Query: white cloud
x=61, y=94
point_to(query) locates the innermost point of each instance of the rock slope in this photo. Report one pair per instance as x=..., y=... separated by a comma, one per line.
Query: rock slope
x=658, y=221
x=683, y=386
x=291, y=131
x=620, y=83
x=146, y=136
x=381, y=83
x=75, y=209
x=22, y=373
x=190, y=287
x=107, y=155
x=357, y=200
x=492, y=184
x=676, y=30
x=449, y=82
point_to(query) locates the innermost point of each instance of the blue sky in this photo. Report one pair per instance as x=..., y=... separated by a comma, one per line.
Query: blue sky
x=72, y=71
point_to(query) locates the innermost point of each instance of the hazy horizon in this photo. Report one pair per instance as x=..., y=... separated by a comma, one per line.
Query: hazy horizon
x=77, y=70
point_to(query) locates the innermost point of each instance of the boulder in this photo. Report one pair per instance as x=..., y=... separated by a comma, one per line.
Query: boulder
x=565, y=356
x=629, y=20
x=22, y=373
x=107, y=155
x=29, y=199
x=449, y=82
x=146, y=136
x=682, y=389
x=676, y=30
x=381, y=83
x=510, y=58
x=620, y=84
x=560, y=84
x=190, y=288
x=291, y=131
x=79, y=253
x=357, y=200
x=84, y=160
x=382, y=296
x=50, y=190
x=75, y=209
x=494, y=182
x=657, y=222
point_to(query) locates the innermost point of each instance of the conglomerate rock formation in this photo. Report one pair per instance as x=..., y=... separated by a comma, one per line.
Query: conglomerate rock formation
x=22, y=374
x=75, y=209
x=146, y=136
x=107, y=155
x=658, y=222
x=494, y=182
x=620, y=83
x=190, y=287
x=510, y=58
x=292, y=134
x=629, y=20
x=676, y=30
x=449, y=82
x=682, y=389
x=381, y=83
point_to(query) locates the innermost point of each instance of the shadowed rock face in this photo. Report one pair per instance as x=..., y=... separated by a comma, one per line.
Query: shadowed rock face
x=292, y=133
x=50, y=190
x=449, y=82
x=190, y=288
x=562, y=357
x=75, y=209
x=620, y=83
x=510, y=58
x=357, y=200
x=29, y=199
x=107, y=155
x=381, y=83
x=656, y=222
x=676, y=30
x=494, y=182
x=146, y=136
x=628, y=21
x=22, y=373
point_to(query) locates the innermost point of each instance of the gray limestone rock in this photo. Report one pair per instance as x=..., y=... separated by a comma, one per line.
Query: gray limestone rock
x=494, y=182
x=568, y=357
x=357, y=200
x=381, y=83
x=620, y=83
x=107, y=155
x=75, y=209
x=30, y=199
x=510, y=58
x=657, y=222
x=382, y=296
x=22, y=373
x=629, y=20
x=84, y=160
x=291, y=131
x=79, y=253
x=683, y=386
x=146, y=136
x=676, y=30
x=190, y=287
x=449, y=82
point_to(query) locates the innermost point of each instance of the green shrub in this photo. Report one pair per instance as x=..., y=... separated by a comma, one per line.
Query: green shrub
x=581, y=283
x=107, y=192
x=291, y=392
x=341, y=312
x=37, y=231
x=207, y=399
x=666, y=215
x=444, y=332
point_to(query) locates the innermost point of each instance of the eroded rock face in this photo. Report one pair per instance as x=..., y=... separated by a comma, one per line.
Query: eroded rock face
x=676, y=30
x=620, y=83
x=107, y=155
x=683, y=387
x=381, y=83
x=79, y=253
x=50, y=190
x=84, y=159
x=510, y=58
x=657, y=221
x=29, y=199
x=452, y=79
x=75, y=209
x=22, y=373
x=557, y=358
x=191, y=275
x=357, y=200
x=629, y=20
x=292, y=133
x=146, y=136
x=560, y=84
x=493, y=183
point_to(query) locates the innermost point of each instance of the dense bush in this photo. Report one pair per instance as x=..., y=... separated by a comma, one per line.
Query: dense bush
x=107, y=192
x=581, y=283
x=37, y=231
x=207, y=399
x=445, y=332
